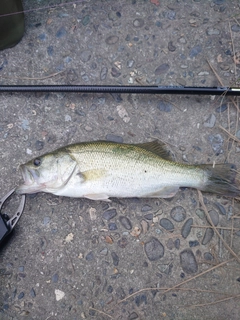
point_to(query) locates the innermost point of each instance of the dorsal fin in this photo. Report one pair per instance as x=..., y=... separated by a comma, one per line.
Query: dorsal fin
x=157, y=147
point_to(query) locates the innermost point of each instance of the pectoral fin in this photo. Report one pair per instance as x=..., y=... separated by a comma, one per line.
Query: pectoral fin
x=166, y=192
x=100, y=196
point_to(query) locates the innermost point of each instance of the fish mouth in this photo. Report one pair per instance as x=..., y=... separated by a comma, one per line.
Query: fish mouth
x=31, y=184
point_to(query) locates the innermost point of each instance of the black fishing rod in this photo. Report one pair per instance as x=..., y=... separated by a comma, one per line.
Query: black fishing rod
x=228, y=91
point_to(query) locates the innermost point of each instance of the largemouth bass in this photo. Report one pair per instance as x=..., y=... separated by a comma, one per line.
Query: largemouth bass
x=99, y=170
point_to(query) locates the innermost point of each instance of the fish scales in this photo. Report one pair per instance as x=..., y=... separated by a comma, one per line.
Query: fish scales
x=131, y=170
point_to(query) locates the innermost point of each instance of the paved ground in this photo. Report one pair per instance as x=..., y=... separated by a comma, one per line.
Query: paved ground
x=78, y=259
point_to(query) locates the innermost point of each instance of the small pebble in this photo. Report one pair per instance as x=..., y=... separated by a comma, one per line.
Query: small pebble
x=181, y=81
x=130, y=63
x=117, y=97
x=42, y=37
x=200, y=213
x=115, y=258
x=85, y=55
x=188, y=261
x=141, y=299
x=109, y=214
x=112, y=40
x=112, y=226
x=195, y=51
x=197, y=148
x=165, y=268
x=136, y=231
x=85, y=77
x=194, y=243
x=90, y=256
x=120, y=293
x=178, y=214
x=128, y=37
x=177, y=243
x=32, y=293
x=46, y=220
x=203, y=73
x=238, y=134
x=72, y=75
x=21, y=295
x=220, y=208
x=171, y=47
x=104, y=251
x=86, y=20
x=50, y=51
x=103, y=73
x=186, y=228
x=170, y=14
x=216, y=141
x=214, y=217
x=212, y=31
x=163, y=68
x=208, y=256
x=182, y=40
x=207, y=236
x=210, y=122
x=170, y=244
x=166, y=224
x=158, y=231
x=228, y=52
x=122, y=243
x=138, y=23
x=145, y=226
x=164, y=106
x=109, y=289
x=148, y=216
x=154, y=249
x=25, y=124
x=222, y=108
x=61, y=32
x=146, y=208
x=235, y=28
x=22, y=275
x=55, y=278
x=115, y=72
x=68, y=118
x=59, y=294
x=132, y=316
x=125, y=222
x=88, y=129
x=224, y=66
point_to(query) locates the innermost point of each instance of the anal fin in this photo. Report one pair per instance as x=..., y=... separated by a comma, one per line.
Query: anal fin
x=97, y=196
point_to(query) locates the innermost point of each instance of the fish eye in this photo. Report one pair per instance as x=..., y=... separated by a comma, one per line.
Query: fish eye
x=37, y=162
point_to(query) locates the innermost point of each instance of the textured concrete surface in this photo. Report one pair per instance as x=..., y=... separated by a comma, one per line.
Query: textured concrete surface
x=76, y=258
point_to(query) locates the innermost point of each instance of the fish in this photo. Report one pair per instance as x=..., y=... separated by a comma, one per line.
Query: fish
x=100, y=170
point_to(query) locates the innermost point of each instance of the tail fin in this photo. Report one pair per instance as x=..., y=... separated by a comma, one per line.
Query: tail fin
x=221, y=179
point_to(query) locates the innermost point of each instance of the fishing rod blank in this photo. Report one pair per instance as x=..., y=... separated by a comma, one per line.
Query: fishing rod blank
x=228, y=91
